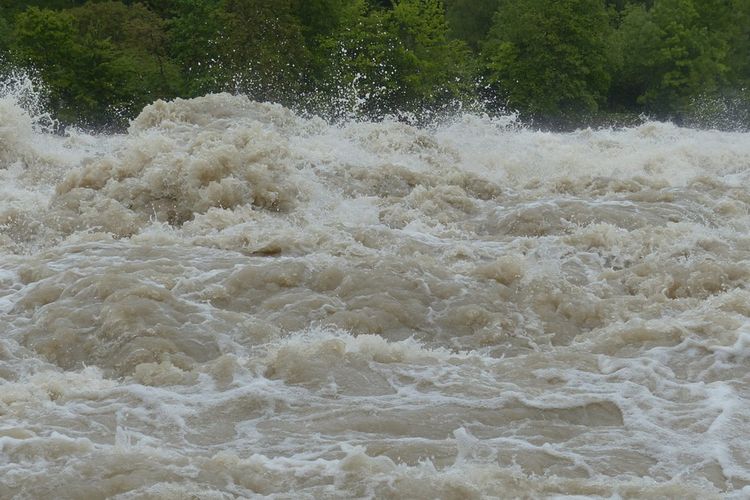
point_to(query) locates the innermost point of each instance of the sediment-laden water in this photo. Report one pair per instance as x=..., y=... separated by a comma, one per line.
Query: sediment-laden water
x=231, y=301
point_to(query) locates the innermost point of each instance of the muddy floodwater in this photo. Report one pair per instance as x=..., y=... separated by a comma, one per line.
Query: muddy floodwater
x=234, y=301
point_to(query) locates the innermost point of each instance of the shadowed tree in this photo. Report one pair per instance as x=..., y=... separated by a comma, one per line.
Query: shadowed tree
x=548, y=58
x=266, y=50
x=5, y=31
x=46, y=40
x=95, y=59
x=437, y=68
x=470, y=20
x=138, y=34
x=399, y=59
x=199, y=45
x=671, y=55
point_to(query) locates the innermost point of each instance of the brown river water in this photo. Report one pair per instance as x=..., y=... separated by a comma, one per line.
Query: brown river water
x=233, y=301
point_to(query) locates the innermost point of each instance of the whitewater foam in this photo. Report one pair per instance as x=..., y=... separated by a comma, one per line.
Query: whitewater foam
x=232, y=300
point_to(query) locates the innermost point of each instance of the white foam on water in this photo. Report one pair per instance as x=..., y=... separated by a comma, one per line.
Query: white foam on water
x=231, y=300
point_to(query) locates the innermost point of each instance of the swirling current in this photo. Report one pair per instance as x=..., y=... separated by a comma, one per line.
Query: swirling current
x=232, y=300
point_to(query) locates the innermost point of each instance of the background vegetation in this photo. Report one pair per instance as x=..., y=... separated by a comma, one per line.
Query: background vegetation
x=559, y=63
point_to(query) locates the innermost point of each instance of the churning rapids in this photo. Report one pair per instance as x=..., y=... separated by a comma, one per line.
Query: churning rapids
x=231, y=300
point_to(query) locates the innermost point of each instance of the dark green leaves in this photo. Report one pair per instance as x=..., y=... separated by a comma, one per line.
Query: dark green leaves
x=548, y=58
x=560, y=62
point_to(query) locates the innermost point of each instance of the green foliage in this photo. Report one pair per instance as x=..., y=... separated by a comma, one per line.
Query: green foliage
x=636, y=33
x=163, y=8
x=256, y=46
x=364, y=69
x=139, y=36
x=559, y=61
x=671, y=55
x=5, y=31
x=319, y=17
x=549, y=58
x=46, y=40
x=737, y=28
x=198, y=42
x=470, y=20
x=101, y=62
x=436, y=69
x=14, y=6
x=265, y=48
x=399, y=59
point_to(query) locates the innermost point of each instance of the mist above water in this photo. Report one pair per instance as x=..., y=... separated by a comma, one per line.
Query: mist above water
x=233, y=300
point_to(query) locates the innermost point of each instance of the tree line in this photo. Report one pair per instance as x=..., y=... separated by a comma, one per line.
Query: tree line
x=558, y=63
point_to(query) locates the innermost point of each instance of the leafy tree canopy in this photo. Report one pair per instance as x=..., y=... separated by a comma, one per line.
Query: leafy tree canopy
x=548, y=57
x=561, y=62
x=671, y=54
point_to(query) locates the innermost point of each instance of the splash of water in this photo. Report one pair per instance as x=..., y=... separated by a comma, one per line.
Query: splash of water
x=234, y=300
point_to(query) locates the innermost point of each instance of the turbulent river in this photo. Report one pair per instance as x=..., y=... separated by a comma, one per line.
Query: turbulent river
x=231, y=301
